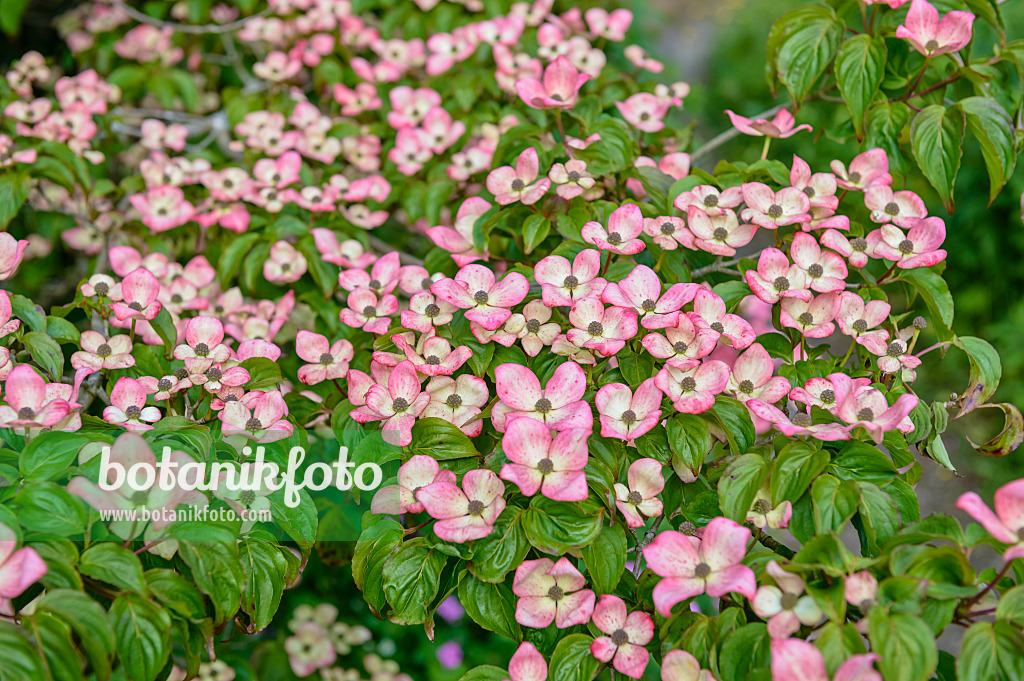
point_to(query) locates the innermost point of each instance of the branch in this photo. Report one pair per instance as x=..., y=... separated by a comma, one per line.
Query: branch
x=195, y=29
x=722, y=266
x=770, y=543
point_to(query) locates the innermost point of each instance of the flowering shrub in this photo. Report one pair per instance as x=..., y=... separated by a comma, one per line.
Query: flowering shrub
x=629, y=405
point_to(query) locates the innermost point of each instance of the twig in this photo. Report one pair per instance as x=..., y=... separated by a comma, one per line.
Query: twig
x=648, y=538
x=196, y=29
x=770, y=543
x=722, y=266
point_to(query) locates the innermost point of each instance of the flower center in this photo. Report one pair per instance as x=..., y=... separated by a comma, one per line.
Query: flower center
x=374, y=284
x=687, y=528
x=775, y=211
x=369, y=311
x=860, y=244
x=574, y=176
x=803, y=420
x=680, y=347
x=454, y=401
x=720, y=234
x=26, y=413
x=789, y=601
x=615, y=238
x=137, y=306
x=635, y=498
x=620, y=637
x=101, y=288
x=806, y=318
x=481, y=297
x=808, y=191
x=533, y=325
x=894, y=349
x=214, y=374
x=253, y=425
x=892, y=208
x=865, y=414
x=860, y=326
x=426, y=284
x=746, y=386
x=718, y=326
x=711, y=200
x=202, y=349
x=164, y=384
x=246, y=497
x=906, y=247
x=327, y=359
x=629, y=417
x=688, y=384
x=518, y=185
x=702, y=571
x=133, y=413
x=931, y=45
x=667, y=228
x=854, y=177
x=827, y=396
x=176, y=299
x=570, y=282
x=432, y=310
x=781, y=284
x=543, y=405
x=815, y=270
x=433, y=360
x=104, y=350
x=545, y=466
x=595, y=329
x=762, y=506
x=555, y=593
x=139, y=498
x=920, y=323
x=399, y=405
x=476, y=507
x=649, y=305
x=181, y=374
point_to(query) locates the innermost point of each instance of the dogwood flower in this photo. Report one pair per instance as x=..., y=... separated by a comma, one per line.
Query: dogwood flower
x=139, y=290
x=917, y=248
x=861, y=588
x=19, y=568
x=644, y=111
x=427, y=312
x=813, y=319
x=487, y=302
x=668, y=232
x=770, y=209
x=261, y=419
x=624, y=226
x=627, y=634
x=309, y=649
x=826, y=272
x=458, y=240
x=27, y=402
x=415, y=474
x=762, y=514
x=855, y=250
x=626, y=415
x=902, y=208
x=540, y=462
x=457, y=401
x=163, y=208
x=560, y=86
x=781, y=126
x=693, y=391
x=775, y=278
x=683, y=345
x=641, y=292
x=869, y=169
x=709, y=199
x=931, y=36
x=510, y=185
x=709, y=312
x=794, y=658
x=128, y=406
x=559, y=405
x=565, y=284
x=799, y=425
x=468, y=513
x=721, y=233
x=820, y=188
x=863, y=406
x=679, y=665
x=284, y=265
x=327, y=362
x=689, y=567
x=204, y=338
x=571, y=178
x=437, y=358
x=382, y=278
x=896, y=356
x=527, y=664
x=609, y=25
x=366, y=312
x=11, y=252
x=536, y=333
x=98, y=353
x=551, y=592
x=645, y=484
x=348, y=253
x=397, y=404
x=597, y=328
x=751, y=377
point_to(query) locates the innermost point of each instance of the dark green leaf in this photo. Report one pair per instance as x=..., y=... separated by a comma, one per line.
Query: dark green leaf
x=936, y=138
x=860, y=65
x=492, y=606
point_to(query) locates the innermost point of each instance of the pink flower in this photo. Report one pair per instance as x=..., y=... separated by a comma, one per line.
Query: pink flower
x=415, y=474
x=709, y=312
x=128, y=406
x=627, y=634
x=458, y=240
x=626, y=415
x=683, y=345
x=327, y=362
x=785, y=606
x=644, y=111
x=693, y=391
x=917, y=248
x=903, y=208
x=163, y=208
x=397, y=404
x=599, y=329
x=426, y=313
x=458, y=402
x=204, y=338
x=668, y=232
x=624, y=226
x=690, y=567
x=474, y=289
x=781, y=126
x=562, y=284
x=775, y=278
x=610, y=25
x=310, y=648
x=559, y=89
x=139, y=290
x=645, y=484
x=870, y=169
x=800, y=425
x=770, y=209
x=437, y=358
x=794, y=658
x=826, y=272
x=264, y=423
x=359, y=383
x=554, y=466
x=412, y=150
x=572, y=178
x=162, y=388
x=709, y=199
x=441, y=131
x=861, y=588
x=752, y=377
x=860, y=405
x=536, y=334
x=214, y=376
x=859, y=320
x=813, y=319
x=27, y=404
x=896, y=356
x=348, y=253
x=559, y=405
x=354, y=102
x=284, y=265
x=468, y=513
x=721, y=233
x=855, y=250
x=527, y=664
x=98, y=353
x=101, y=286
x=409, y=107
x=551, y=592
x=641, y=293
x=19, y=568
x=11, y=253
x=679, y=665
x=932, y=37
x=382, y=278
x=820, y=188
x=366, y=312
x=510, y=185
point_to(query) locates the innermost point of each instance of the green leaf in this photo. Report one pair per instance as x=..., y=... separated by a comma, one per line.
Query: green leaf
x=936, y=138
x=164, y=327
x=411, y=580
x=556, y=526
x=217, y=572
x=61, y=330
x=264, y=567
x=986, y=370
x=739, y=484
x=379, y=538
x=835, y=502
x=21, y=661
x=502, y=550
x=111, y=563
x=991, y=651
x=735, y=423
x=744, y=651
x=992, y=126
x=49, y=509
x=485, y=672
x=1011, y=606
x=492, y=606
x=905, y=643
x=49, y=454
x=14, y=187
x=606, y=559
x=28, y=312
x=935, y=292
x=862, y=462
x=572, y=660
x=231, y=258
x=45, y=352
x=880, y=519
x=796, y=466
x=810, y=39
x=860, y=66
x=89, y=621
x=441, y=440
x=54, y=641
x=1009, y=438
x=143, y=634
x=264, y=374
x=690, y=441
x=176, y=593
x=535, y=230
